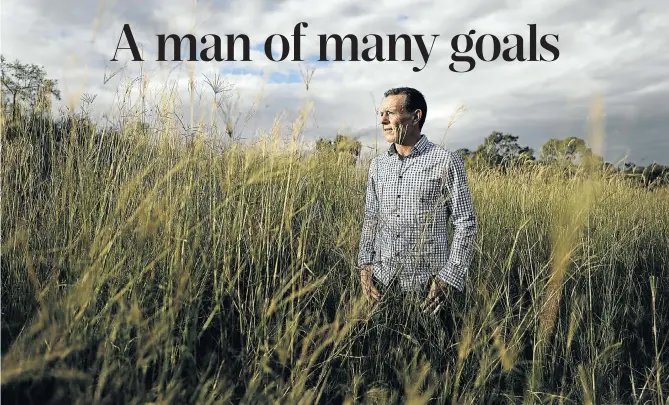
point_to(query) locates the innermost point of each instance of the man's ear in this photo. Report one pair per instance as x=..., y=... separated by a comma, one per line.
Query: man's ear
x=417, y=116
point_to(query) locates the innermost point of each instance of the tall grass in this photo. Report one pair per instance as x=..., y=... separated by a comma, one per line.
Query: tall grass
x=152, y=270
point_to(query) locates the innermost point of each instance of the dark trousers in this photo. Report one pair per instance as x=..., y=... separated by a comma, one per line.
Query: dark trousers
x=399, y=331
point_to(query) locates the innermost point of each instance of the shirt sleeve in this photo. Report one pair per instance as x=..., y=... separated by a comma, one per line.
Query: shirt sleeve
x=367, y=254
x=461, y=207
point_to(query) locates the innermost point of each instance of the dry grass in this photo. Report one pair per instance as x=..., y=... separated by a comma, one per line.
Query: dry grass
x=143, y=271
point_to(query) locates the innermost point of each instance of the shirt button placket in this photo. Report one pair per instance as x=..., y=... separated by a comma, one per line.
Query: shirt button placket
x=399, y=187
x=399, y=204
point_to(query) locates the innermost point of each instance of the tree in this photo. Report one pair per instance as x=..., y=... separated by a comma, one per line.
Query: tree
x=500, y=149
x=324, y=145
x=632, y=168
x=465, y=153
x=652, y=176
x=28, y=84
x=342, y=144
x=655, y=175
x=571, y=150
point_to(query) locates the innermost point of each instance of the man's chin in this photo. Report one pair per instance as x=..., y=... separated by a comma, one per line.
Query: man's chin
x=390, y=138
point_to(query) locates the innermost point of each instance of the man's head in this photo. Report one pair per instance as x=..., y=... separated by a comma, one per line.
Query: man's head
x=403, y=111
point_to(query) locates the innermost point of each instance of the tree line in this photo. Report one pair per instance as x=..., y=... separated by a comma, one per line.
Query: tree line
x=27, y=92
x=571, y=155
x=502, y=151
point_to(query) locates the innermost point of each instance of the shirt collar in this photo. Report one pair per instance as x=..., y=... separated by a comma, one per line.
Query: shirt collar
x=419, y=148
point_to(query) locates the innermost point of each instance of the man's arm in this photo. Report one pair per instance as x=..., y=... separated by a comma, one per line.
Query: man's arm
x=367, y=254
x=461, y=207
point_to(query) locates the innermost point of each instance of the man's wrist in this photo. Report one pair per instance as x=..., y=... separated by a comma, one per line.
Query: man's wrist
x=442, y=284
x=449, y=276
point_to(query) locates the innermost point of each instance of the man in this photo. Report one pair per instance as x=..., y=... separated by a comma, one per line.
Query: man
x=412, y=190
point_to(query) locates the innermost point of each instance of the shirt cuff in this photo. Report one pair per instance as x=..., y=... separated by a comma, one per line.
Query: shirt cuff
x=365, y=258
x=454, y=276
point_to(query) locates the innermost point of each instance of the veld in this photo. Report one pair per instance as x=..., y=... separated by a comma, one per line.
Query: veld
x=142, y=266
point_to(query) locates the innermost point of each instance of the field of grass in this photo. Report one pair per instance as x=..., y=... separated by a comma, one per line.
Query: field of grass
x=137, y=270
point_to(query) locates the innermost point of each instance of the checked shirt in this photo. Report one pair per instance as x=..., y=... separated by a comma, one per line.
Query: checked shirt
x=409, y=201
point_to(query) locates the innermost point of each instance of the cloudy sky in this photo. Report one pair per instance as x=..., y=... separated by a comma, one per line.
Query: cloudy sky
x=614, y=50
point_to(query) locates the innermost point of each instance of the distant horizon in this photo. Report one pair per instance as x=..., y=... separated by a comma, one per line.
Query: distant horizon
x=371, y=135
x=617, y=53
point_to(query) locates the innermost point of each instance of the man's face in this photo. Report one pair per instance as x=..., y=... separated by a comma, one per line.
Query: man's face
x=395, y=122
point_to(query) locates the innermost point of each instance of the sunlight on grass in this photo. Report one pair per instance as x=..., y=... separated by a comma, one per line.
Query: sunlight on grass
x=144, y=266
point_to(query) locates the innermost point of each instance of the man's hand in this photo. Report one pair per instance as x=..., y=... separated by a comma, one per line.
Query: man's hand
x=367, y=284
x=436, y=296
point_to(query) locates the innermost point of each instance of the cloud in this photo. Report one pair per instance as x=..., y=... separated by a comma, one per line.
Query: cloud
x=614, y=50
